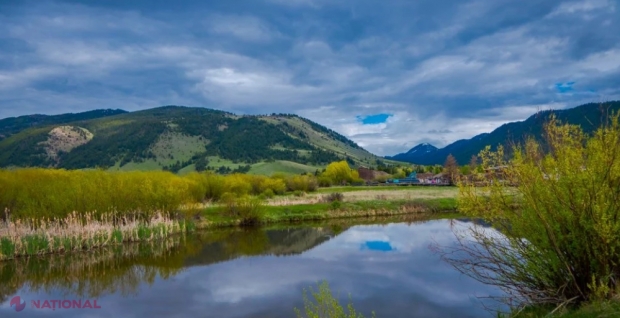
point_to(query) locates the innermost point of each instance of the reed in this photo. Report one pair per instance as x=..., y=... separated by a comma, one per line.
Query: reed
x=84, y=231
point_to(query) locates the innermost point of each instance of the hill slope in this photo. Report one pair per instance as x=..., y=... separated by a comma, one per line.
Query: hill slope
x=588, y=116
x=13, y=125
x=178, y=139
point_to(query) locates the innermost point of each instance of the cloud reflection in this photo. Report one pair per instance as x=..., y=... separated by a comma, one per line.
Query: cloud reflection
x=409, y=281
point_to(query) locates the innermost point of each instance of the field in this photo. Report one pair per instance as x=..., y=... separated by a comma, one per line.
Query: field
x=357, y=194
x=287, y=167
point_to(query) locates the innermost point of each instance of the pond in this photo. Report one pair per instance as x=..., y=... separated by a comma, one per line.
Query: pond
x=387, y=268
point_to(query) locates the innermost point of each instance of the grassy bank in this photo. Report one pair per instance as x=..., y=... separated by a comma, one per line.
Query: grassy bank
x=73, y=234
x=385, y=188
x=216, y=216
x=605, y=309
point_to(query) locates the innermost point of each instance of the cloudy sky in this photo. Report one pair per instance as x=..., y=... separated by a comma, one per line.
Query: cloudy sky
x=387, y=74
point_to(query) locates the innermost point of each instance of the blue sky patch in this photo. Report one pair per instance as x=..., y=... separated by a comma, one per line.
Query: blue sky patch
x=564, y=87
x=378, y=246
x=374, y=119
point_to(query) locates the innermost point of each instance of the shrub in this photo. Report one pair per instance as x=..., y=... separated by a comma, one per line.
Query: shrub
x=332, y=197
x=256, y=182
x=215, y=186
x=249, y=210
x=324, y=181
x=325, y=304
x=302, y=183
x=268, y=194
x=336, y=205
x=48, y=193
x=237, y=184
x=560, y=220
x=277, y=186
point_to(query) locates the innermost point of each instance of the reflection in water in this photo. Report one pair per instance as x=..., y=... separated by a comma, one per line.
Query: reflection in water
x=387, y=268
x=118, y=269
x=121, y=269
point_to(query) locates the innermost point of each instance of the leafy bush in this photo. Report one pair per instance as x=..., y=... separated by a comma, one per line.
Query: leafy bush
x=237, y=184
x=302, y=183
x=277, y=186
x=39, y=193
x=340, y=173
x=249, y=210
x=561, y=219
x=324, y=181
x=268, y=194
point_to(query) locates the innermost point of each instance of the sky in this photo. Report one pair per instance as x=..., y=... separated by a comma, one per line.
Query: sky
x=387, y=74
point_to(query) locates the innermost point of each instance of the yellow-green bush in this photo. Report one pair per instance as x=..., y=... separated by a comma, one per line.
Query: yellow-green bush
x=302, y=183
x=36, y=193
x=248, y=209
x=324, y=181
x=50, y=193
x=237, y=184
x=277, y=186
x=340, y=173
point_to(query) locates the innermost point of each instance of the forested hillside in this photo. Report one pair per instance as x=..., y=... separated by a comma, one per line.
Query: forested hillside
x=10, y=126
x=589, y=117
x=174, y=138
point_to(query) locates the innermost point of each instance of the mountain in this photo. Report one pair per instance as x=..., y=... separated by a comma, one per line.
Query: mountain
x=589, y=117
x=175, y=138
x=418, y=152
x=10, y=126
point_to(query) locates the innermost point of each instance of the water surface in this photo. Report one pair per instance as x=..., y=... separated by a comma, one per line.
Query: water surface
x=254, y=273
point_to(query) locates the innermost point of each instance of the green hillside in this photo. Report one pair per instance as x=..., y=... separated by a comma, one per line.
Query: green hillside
x=180, y=139
x=10, y=126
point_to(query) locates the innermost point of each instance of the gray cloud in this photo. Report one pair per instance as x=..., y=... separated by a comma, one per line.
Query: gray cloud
x=456, y=67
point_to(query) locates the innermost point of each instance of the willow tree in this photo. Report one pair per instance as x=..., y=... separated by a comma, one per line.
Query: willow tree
x=556, y=204
x=340, y=172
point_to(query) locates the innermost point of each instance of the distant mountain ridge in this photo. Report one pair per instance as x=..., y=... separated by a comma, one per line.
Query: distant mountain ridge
x=174, y=138
x=588, y=116
x=420, y=151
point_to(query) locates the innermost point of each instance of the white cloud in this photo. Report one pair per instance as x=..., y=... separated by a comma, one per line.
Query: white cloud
x=247, y=28
x=485, y=63
x=583, y=6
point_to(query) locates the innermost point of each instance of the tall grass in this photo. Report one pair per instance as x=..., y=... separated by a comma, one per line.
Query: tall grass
x=81, y=232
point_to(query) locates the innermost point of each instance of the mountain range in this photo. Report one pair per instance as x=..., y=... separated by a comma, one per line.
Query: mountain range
x=175, y=138
x=183, y=139
x=588, y=116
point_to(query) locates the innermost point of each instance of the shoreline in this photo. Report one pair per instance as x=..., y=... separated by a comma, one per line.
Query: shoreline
x=42, y=243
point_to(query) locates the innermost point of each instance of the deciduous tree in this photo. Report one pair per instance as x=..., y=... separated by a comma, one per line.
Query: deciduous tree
x=451, y=169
